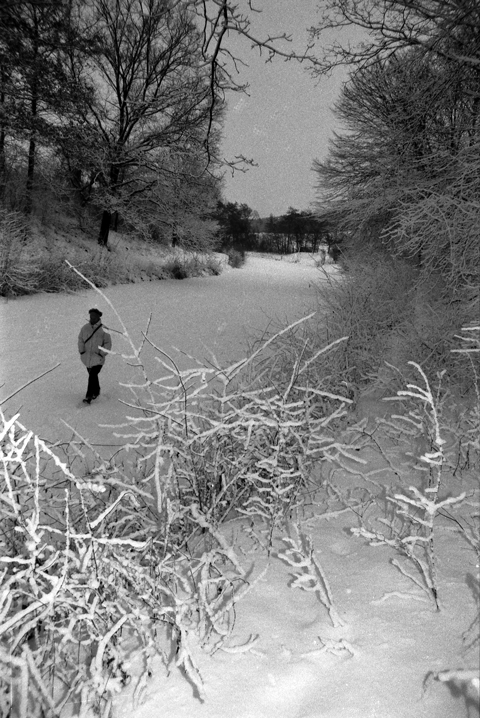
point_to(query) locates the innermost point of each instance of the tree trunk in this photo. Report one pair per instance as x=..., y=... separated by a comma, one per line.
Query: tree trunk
x=30, y=173
x=104, y=228
x=106, y=215
x=3, y=125
x=3, y=166
x=32, y=145
x=475, y=116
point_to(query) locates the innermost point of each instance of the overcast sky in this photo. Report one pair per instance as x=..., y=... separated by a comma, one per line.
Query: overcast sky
x=286, y=120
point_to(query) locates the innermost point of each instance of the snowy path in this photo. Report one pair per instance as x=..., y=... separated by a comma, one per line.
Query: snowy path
x=198, y=315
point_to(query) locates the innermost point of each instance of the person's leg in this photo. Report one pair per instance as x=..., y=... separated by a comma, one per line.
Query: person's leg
x=93, y=388
x=89, y=394
x=95, y=383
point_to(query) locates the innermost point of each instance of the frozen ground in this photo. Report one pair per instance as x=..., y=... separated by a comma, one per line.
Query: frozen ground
x=198, y=316
x=299, y=666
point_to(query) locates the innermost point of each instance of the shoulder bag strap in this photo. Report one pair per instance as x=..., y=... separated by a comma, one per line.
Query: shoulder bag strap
x=91, y=335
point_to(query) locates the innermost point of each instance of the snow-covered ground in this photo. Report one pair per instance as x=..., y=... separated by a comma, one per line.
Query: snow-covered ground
x=299, y=666
x=198, y=316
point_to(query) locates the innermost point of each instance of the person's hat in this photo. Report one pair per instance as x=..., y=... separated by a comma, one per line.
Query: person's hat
x=95, y=311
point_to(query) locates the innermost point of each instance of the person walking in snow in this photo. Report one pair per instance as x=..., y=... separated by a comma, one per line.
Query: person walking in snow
x=92, y=340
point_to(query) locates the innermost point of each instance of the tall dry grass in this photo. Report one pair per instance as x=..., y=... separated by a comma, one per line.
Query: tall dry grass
x=28, y=268
x=18, y=272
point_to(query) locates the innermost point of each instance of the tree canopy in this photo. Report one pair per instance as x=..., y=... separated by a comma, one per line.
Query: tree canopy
x=119, y=104
x=403, y=173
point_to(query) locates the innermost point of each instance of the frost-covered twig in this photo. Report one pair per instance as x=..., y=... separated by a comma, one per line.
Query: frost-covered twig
x=412, y=525
x=31, y=381
x=309, y=574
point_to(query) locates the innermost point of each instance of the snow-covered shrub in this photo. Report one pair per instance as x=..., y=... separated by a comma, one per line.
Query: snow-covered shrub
x=392, y=315
x=28, y=266
x=93, y=571
x=227, y=439
x=440, y=222
x=236, y=259
x=412, y=513
x=309, y=574
x=367, y=302
x=181, y=264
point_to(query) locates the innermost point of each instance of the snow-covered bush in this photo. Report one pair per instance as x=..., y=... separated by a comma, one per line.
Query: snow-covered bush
x=392, y=316
x=309, y=574
x=90, y=574
x=181, y=264
x=412, y=513
x=439, y=222
x=228, y=439
x=367, y=301
x=236, y=258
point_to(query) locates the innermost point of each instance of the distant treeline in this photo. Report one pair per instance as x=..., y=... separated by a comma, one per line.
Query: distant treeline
x=296, y=231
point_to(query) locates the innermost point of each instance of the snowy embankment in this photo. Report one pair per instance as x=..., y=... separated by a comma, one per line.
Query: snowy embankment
x=285, y=657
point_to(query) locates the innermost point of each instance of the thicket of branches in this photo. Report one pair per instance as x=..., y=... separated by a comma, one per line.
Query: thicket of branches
x=130, y=557
x=403, y=175
x=107, y=560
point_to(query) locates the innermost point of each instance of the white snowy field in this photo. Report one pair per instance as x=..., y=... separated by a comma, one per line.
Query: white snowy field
x=198, y=316
x=375, y=665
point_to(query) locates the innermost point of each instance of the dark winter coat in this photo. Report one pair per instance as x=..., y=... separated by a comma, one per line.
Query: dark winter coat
x=91, y=342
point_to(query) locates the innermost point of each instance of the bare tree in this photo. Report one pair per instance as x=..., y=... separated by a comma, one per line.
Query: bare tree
x=439, y=28
x=146, y=86
x=222, y=19
x=161, y=70
x=152, y=96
